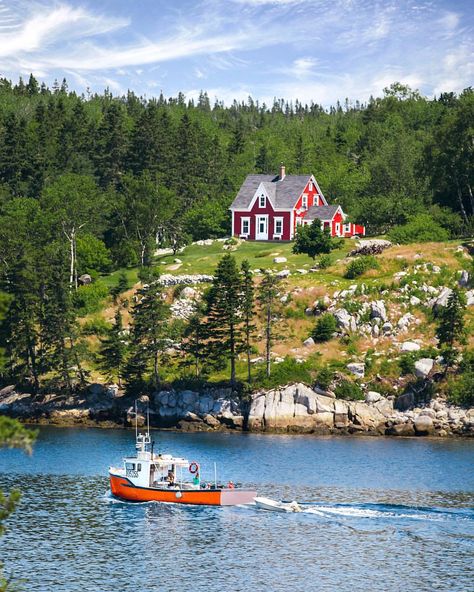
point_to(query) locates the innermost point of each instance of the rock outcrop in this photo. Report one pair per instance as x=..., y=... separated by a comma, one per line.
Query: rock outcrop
x=295, y=408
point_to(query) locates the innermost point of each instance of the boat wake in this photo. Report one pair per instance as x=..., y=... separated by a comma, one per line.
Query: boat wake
x=387, y=512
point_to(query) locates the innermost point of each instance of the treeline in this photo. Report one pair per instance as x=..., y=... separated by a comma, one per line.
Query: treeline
x=384, y=161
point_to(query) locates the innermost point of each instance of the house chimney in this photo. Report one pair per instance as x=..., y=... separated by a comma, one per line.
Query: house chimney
x=282, y=171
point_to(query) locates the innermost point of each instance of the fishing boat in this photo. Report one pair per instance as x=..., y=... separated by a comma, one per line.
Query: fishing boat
x=148, y=476
x=265, y=503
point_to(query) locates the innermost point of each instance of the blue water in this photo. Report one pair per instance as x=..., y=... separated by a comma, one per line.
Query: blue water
x=379, y=514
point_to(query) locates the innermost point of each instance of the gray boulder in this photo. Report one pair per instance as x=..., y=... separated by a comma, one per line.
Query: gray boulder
x=423, y=425
x=377, y=310
x=356, y=368
x=372, y=397
x=423, y=367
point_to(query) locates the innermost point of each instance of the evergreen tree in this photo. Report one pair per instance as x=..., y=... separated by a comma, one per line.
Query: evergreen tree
x=248, y=301
x=193, y=344
x=224, y=314
x=113, y=350
x=150, y=331
x=267, y=297
x=313, y=241
x=451, y=325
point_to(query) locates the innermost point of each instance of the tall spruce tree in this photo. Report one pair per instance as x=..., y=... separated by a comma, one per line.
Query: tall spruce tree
x=451, y=326
x=224, y=314
x=267, y=296
x=113, y=349
x=193, y=344
x=248, y=302
x=150, y=330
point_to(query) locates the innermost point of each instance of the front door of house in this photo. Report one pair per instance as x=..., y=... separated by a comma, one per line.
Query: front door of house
x=262, y=228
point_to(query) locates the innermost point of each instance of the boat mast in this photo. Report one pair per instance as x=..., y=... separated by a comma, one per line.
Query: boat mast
x=136, y=421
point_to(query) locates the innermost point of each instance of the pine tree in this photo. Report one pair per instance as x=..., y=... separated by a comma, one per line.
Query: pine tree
x=193, y=344
x=248, y=311
x=150, y=331
x=313, y=241
x=267, y=296
x=451, y=326
x=224, y=314
x=113, y=350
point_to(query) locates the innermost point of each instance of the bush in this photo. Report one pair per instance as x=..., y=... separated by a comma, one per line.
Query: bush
x=461, y=388
x=349, y=390
x=325, y=327
x=88, y=299
x=421, y=228
x=284, y=373
x=324, y=261
x=324, y=377
x=360, y=266
x=92, y=255
x=96, y=326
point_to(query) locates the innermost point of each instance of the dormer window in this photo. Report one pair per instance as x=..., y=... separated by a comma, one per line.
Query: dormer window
x=262, y=201
x=304, y=201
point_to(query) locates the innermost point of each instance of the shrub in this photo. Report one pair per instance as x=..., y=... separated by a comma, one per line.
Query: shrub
x=325, y=327
x=324, y=261
x=360, y=266
x=96, y=326
x=287, y=371
x=420, y=228
x=92, y=255
x=461, y=388
x=349, y=390
x=324, y=377
x=88, y=299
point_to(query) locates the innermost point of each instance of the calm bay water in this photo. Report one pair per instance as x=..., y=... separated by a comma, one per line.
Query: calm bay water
x=380, y=514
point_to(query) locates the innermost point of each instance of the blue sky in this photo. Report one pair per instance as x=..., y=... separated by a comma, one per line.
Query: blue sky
x=320, y=50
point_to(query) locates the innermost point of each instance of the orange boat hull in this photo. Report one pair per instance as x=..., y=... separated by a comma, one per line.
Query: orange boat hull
x=122, y=488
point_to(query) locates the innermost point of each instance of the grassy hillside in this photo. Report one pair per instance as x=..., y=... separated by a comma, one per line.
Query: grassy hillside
x=419, y=265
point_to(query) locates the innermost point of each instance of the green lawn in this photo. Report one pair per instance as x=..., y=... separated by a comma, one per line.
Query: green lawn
x=204, y=259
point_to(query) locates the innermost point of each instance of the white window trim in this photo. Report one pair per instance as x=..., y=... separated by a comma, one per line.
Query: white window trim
x=242, y=222
x=310, y=186
x=262, y=198
x=277, y=219
x=338, y=228
x=346, y=227
x=304, y=201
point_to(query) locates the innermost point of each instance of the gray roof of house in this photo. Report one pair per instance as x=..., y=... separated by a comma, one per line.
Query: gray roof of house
x=282, y=194
x=321, y=212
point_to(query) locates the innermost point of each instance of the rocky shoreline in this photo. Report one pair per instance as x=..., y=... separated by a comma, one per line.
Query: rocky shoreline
x=294, y=409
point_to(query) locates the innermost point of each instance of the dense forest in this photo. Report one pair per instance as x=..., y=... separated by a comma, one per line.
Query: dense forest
x=93, y=183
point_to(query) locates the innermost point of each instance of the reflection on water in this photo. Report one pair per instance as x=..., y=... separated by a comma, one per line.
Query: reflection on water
x=378, y=515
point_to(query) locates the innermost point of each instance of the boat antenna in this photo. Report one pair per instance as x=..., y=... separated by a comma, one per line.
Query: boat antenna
x=136, y=421
x=148, y=419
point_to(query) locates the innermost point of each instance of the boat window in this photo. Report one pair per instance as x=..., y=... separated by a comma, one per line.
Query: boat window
x=130, y=466
x=139, y=467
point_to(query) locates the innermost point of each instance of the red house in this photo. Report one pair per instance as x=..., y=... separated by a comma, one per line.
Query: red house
x=271, y=208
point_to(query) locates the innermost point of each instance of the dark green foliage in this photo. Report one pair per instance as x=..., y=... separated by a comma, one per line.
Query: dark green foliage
x=451, y=326
x=113, y=349
x=421, y=228
x=461, y=387
x=150, y=334
x=326, y=325
x=312, y=241
x=286, y=372
x=324, y=377
x=267, y=297
x=193, y=346
x=248, y=312
x=360, y=265
x=349, y=390
x=225, y=314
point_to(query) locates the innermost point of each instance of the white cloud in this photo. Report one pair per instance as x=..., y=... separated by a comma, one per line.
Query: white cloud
x=48, y=26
